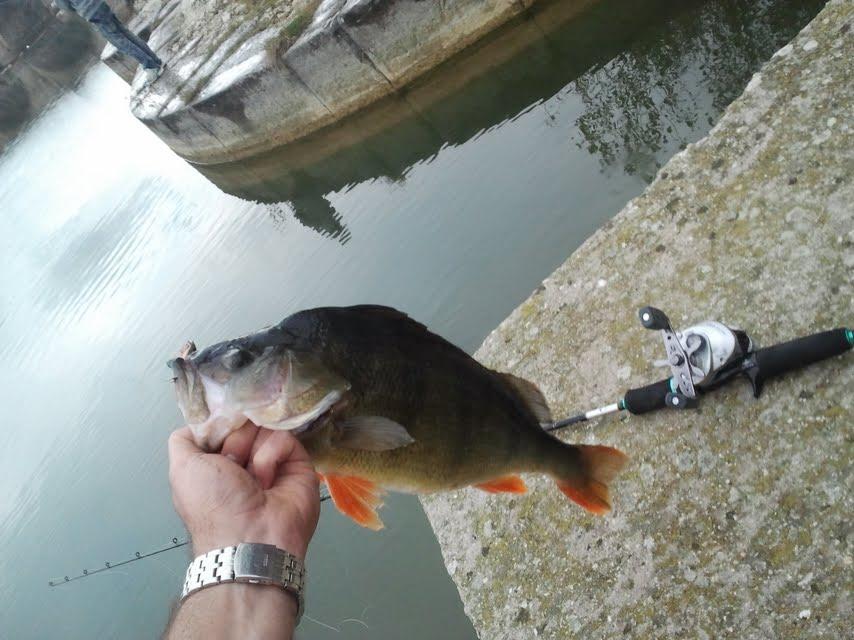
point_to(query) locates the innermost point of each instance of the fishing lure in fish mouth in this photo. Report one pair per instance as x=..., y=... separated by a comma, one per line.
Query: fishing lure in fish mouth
x=381, y=403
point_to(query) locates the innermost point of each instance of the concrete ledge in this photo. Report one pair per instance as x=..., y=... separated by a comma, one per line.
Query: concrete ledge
x=735, y=520
x=278, y=90
x=404, y=39
x=336, y=70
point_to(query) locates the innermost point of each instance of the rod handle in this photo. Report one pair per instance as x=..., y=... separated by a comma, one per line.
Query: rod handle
x=649, y=398
x=798, y=353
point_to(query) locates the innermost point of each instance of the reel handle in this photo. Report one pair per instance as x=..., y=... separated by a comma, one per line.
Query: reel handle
x=653, y=318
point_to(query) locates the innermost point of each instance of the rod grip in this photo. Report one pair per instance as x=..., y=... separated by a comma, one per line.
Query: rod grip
x=800, y=352
x=648, y=398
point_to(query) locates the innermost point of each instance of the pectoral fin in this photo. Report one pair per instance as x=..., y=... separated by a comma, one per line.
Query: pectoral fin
x=371, y=433
x=356, y=498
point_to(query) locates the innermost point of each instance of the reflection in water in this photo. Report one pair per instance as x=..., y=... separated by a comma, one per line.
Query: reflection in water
x=112, y=228
x=40, y=58
x=635, y=75
x=640, y=100
x=313, y=211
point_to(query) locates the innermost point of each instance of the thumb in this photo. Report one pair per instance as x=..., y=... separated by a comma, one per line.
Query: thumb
x=182, y=447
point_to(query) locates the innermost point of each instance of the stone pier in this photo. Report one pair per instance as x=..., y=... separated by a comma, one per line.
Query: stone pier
x=244, y=78
x=734, y=520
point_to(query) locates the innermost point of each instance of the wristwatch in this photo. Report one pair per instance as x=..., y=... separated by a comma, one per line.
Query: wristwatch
x=248, y=562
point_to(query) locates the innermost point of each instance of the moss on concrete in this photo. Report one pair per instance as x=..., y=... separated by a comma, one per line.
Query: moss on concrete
x=733, y=520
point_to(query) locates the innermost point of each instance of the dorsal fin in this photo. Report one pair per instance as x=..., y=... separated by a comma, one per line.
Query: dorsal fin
x=531, y=396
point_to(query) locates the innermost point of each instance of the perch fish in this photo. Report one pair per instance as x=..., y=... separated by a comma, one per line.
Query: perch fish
x=380, y=402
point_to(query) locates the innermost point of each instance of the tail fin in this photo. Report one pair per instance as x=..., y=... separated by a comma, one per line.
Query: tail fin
x=595, y=466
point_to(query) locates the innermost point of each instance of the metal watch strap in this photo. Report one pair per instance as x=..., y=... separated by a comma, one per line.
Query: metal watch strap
x=248, y=562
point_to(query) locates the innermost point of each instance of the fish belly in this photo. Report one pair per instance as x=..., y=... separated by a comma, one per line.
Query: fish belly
x=427, y=465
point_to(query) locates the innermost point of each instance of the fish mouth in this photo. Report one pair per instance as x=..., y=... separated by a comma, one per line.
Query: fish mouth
x=190, y=390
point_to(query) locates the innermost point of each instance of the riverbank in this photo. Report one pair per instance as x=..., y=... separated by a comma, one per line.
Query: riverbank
x=732, y=520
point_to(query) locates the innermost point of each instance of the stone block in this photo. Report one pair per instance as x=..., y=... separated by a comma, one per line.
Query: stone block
x=335, y=69
x=254, y=101
x=404, y=38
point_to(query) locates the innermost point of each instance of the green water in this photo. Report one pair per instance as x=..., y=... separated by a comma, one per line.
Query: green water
x=115, y=252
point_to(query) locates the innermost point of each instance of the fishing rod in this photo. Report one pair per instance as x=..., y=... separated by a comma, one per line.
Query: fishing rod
x=176, y=544
x=701, y=358
x=706, y=356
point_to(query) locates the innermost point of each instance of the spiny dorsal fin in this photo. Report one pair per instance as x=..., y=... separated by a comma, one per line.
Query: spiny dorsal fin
x=531, y=396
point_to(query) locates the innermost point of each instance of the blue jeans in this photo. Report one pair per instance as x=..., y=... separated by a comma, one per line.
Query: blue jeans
x=126, y=42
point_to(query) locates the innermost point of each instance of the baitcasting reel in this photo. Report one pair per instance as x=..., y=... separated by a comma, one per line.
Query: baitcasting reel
x=700, y=357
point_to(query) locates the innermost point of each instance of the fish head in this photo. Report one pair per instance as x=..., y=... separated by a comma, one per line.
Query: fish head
x=256, y=378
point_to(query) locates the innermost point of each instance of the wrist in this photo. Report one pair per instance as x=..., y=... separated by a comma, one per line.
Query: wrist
x=253, y=611
x=287, y=539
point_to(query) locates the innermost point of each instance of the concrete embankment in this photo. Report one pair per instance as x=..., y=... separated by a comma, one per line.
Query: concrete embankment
x=289, y=68
x=733, y=520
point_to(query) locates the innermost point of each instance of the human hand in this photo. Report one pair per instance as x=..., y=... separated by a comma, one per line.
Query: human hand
x=260, y=488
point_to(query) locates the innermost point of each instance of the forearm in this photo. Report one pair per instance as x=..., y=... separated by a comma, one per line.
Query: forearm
x=235, y=611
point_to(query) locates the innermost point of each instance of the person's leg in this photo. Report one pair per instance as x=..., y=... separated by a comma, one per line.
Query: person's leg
x=126, y=42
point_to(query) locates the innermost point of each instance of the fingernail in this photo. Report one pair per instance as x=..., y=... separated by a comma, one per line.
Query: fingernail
x=231, y=457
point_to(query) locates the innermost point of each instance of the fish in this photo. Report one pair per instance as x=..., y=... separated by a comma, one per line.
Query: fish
x=383, y=404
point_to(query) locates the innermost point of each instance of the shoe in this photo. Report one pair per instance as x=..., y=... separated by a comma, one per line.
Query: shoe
x=152, y=74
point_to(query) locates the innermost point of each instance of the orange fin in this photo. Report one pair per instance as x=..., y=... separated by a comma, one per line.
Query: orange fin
x=589, y=488
x=356, y=498
x=504, y=484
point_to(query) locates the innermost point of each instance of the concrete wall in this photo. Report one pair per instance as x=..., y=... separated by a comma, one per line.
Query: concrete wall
x=256, y=87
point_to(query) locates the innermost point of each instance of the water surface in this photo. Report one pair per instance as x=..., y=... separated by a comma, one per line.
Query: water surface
x=115, y=252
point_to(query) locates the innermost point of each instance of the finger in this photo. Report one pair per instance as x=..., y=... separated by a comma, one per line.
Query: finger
x=182, y=446
x=298, y=465
x=260, y=439
x=238, y=444
x=280, y=447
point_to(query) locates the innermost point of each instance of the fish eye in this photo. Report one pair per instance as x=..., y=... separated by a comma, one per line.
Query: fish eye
x=236, y=358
